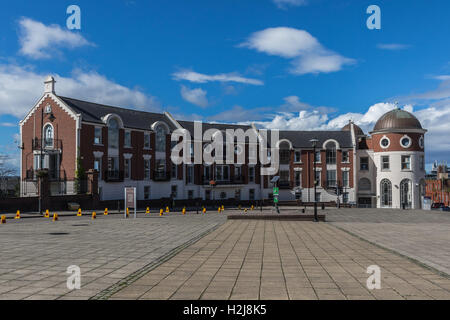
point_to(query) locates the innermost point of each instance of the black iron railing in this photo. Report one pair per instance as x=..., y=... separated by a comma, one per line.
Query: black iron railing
x=46, y=144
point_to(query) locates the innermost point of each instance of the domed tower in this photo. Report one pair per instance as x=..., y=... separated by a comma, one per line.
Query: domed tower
x=398, y=146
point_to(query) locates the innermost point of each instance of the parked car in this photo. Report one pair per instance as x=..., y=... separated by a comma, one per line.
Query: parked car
x=437, y=206
x=445, y=208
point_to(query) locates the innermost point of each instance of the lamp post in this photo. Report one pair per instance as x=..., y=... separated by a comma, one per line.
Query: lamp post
x=314, y=143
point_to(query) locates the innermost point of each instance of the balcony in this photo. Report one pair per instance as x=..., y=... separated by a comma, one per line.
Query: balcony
x=48, y=144
x=113, y=176
x=229, y=181
x=161, y=175
x=53, y=175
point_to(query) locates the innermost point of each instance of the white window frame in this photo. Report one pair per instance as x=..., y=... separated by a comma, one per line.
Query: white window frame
x=100, y=140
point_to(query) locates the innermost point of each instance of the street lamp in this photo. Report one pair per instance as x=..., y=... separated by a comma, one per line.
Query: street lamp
x=314, y=144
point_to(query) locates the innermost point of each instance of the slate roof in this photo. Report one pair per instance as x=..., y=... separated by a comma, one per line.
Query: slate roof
x=93, y=112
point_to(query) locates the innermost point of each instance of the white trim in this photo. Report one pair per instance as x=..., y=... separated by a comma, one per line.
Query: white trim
x=109, y=116
x=421, y=142
x=147, y=156
x=127, y=155
x=277, y=145
x=172, y=119
x=389, y=142
x=409, y=139
x=56, y=99
x=331, y=140
x=159, y=122
x=345, y=169
x=298, y=169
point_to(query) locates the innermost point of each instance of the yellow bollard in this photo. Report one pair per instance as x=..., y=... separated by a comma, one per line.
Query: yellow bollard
x=79, y=212
x=167, y=210
x=184, y=210
x=239, y=207
x=245, y=210
x=55, y=217
x=47, y=214
x=204, y=210
x=17, y=215
x=218, y=210
x=128, y=213
x=94, y=215
x=147, y=210
x=106, y=212
x=3, y=220
x=223, y=208
x=161, y=211
x=251, y=208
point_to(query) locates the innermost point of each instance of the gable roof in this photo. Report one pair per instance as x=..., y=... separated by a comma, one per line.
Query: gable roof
x=94, y=112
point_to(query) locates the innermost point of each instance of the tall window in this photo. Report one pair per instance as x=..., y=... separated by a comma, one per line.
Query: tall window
x=285, y=153
x=161, y=133
x=146, y=140
x=174, y=191
x=345, y=179
x=237, y=194
x=48, y=136
x=113, y=133
x=127, y=139
x=317, y=178
x=190, y=174
x=251, y=194
x=385, y=162
x=297, y=156
x=251, y=174
x=386, y=193
x=331, y=153
x=98, y=166
x=421, y=162
x=405, y=193
x=147, y=169
x=298, y=178
x=406, y=162
x=127, y=168
x=97, y=135
x=146, y=192
x=364, y=163
x=190, y=194
x=345, y=156
x=174, y=171
x=317, y=156
x=222, y=173
x=331, y=178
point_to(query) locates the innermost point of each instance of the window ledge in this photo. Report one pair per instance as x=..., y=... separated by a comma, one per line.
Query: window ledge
x=98, y=144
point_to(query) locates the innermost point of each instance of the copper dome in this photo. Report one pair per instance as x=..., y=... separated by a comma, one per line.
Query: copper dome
x=358, y=130
x=397, y=119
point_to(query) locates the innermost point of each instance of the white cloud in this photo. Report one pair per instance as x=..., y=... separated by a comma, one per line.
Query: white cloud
x=20, y=88
x=306, y=52
x=194, y=96
x=39, y=41
x=283, y=4
x=8, y=124
x=196, y=77
x=442, y=77
x=392, y=46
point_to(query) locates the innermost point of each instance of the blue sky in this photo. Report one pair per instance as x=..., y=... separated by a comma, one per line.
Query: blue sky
x=292, y=64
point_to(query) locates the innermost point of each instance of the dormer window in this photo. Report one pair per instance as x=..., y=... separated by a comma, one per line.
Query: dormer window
x=113, y=133
x=161, y=132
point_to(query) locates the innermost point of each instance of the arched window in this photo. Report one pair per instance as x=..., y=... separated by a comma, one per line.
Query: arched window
x=48, y=136
x=285, y=152
x=161, y=132
x=386, y=193
x=331, y=153
x=113, y=133
x=364, y=184
x=405, y=193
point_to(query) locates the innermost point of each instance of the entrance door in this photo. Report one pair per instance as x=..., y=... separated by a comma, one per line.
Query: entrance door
x=405, y=193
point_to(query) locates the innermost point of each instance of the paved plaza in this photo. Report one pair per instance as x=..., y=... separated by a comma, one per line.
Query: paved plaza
x=284, y=260
x=36, y=252
x=418, y=234
x=207, y=257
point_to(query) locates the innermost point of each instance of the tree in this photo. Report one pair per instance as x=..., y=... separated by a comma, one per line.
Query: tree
x=6, y=172
x=80, y=177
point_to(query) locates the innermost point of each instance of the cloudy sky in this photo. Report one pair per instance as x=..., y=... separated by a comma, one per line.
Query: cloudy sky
x=287, y=64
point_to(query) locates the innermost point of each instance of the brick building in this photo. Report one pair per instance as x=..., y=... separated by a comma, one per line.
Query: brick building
x=132, y=148
x=438, y=184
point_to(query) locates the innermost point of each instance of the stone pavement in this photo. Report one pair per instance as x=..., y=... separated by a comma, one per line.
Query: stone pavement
x=36, y=252
x=256, y=259
x=418, y=234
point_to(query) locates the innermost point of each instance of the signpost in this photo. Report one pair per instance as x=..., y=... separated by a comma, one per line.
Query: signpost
x=276, y=191
x=130, y=200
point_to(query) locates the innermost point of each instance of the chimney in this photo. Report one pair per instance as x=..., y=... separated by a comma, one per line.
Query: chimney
x=49, y=85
